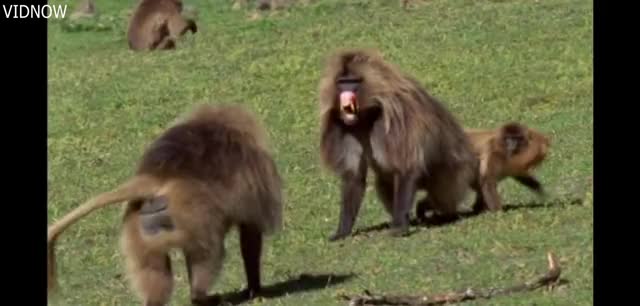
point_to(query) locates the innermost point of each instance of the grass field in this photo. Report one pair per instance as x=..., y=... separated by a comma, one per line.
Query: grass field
x=489, y=61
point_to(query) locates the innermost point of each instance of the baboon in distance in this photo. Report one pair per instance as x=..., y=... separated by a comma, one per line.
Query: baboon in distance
x=207, y=173
x=374, y=115
x=264, y=5
x=86, y=8
x=512, y=150
x=157, y=24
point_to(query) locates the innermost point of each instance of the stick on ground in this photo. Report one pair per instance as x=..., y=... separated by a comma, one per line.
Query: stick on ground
x=549, y=278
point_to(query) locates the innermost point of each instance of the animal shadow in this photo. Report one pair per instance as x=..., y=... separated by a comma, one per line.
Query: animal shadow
x=436, y=221
x=433, y=221
x=304, y=282
x=547, y=204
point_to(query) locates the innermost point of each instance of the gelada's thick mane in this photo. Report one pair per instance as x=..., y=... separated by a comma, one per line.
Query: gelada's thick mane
x=405, y=107
x=232, y=117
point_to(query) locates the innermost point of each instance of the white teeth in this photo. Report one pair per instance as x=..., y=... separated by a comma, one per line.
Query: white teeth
x=346, y=99
x=349, y=119
x=350, y=109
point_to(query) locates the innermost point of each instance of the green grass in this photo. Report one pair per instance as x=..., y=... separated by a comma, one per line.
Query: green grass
x=489, y=61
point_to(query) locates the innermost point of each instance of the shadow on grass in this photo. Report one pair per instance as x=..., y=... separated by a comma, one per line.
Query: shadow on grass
x=548, y=204
x=436, y=221
x=302, y=283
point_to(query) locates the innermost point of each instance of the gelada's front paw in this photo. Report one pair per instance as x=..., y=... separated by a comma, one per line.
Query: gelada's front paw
x=211, y=300
x=250, y=293
x=399, y=231
x=422, y=218
x=338, y=236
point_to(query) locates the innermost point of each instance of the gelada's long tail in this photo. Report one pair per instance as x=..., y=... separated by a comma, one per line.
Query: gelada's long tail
x=138, y=187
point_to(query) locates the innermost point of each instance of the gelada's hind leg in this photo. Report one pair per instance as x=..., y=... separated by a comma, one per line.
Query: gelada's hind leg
x=251, y=248
x=384, y=190
x=162, y=38
x=203, y=266
x=445, y=194
x=167, y=43
x=149, y=271
x=422, y=207
x=445, y=204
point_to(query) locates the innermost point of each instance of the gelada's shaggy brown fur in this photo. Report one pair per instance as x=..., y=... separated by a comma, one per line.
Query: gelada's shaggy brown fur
x=512, y=150
x=157, y=24
x=210, y=171
x=405, y=135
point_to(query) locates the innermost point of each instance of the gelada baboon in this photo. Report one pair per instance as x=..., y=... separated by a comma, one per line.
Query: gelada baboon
x=512, y=150
x=157, y=24
x=204, y=175
x=374, y=115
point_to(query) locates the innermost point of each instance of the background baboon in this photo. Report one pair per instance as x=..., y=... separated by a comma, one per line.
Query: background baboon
x=260, y=4
x=202, y=176
x=86, y=8
x=374, y=115
x=263, y=4
x=157, y=24
x=269, y=4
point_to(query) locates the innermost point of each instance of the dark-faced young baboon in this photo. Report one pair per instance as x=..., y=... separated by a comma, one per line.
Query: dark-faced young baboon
x=512, y=150
x=204, y=175
x=157, y=24
x=374, y=115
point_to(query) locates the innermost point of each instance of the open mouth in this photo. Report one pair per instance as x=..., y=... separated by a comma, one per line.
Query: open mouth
x=348, y=107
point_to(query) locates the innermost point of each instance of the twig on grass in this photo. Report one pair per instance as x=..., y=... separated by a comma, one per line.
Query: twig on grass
x=548, y=279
